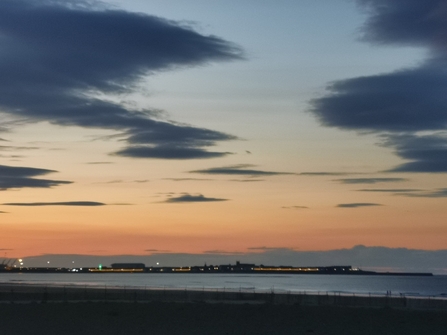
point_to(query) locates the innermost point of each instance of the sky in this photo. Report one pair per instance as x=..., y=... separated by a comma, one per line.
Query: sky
x=145, y=127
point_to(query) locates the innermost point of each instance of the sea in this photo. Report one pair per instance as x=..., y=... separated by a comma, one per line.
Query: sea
x=414, y=286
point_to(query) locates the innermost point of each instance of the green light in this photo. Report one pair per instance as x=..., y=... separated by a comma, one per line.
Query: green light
x=100, y=266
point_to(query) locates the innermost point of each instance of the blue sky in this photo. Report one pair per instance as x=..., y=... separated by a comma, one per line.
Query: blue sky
x=133, y=125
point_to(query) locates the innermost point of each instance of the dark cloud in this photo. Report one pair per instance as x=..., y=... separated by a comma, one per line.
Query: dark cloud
x=21, y=177
x=295, y=207
x=30, y=183
x=168, y=152
x=18, y=171
x=246, y=180
x=188, y=198
x=177, y=134
x=57, y=55
x=404, y=102
x=241, y=170
x=1, y=212
x=66, y=203
x=406, y=22
x=357, y=205
x=370, y=180
x=425, y=153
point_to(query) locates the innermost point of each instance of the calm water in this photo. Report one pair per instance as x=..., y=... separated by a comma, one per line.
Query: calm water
x=414, y=286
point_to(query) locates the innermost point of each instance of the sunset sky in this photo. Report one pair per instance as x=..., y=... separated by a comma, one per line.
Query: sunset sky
x=154, y=126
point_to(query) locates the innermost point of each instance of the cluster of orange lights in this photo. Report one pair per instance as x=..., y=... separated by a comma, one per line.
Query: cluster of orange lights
x=188, y=269
x=287, y=269
x=115, y=270
x=181, y=269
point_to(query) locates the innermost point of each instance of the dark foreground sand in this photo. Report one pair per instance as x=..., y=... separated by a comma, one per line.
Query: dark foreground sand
x=41, y=310
x=212, y=318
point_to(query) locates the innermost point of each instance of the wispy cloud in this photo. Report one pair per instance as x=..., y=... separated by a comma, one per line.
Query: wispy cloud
x=222, y=252
x=400, y=104
x=57, y=53
x=325, y=173
x=412, y=193
x=111, y=182
x=157, y=250
x=187, y=179
x=264, y=248
x=118, y=181
x=188, y=198
x=295, y=207
x=439, y=193
x=370, y=180
x=16, y=148
x=390, y=190
x=240, y=170
x=358, y=204
x=64, y=203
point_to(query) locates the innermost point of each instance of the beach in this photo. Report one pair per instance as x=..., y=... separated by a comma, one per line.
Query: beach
x=31, y=309
x=204, y=318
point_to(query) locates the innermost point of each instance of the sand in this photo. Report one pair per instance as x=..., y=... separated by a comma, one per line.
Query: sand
x=205, y=318
x=49, y=312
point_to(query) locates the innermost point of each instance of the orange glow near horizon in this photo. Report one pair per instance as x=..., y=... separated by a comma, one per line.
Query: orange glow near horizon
x=279, y=228
x=228, y=226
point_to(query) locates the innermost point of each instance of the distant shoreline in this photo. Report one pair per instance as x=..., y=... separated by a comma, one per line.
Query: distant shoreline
x=237, y=268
